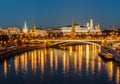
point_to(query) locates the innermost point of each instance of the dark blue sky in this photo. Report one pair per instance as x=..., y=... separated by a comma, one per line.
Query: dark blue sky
x=54, y=13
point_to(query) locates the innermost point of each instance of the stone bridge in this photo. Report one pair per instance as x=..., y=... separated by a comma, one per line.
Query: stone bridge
x=54, y=42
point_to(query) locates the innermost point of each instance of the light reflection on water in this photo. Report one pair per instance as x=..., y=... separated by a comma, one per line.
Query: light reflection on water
x=81, y=61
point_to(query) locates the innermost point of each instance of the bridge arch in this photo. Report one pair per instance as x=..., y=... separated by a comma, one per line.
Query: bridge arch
x=78, y=41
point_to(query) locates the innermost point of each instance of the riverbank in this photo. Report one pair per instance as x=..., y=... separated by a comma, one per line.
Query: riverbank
x=114, y=54
x=106, y=56
x=16, y=50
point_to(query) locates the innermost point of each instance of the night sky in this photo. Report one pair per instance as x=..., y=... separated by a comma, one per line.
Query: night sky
x=54, y=13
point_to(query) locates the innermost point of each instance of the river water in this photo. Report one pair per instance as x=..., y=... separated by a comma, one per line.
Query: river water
x=79, y=64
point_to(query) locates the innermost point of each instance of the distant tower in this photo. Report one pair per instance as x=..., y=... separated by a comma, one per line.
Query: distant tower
x=73, y=30
x=113, y=28
x=87, y=24
x=34, y=32
x=25, y=29
x=97, y=27
x=34, y=28
x=91, y=24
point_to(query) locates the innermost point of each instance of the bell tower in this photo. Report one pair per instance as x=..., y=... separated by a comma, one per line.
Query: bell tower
x=90, y=24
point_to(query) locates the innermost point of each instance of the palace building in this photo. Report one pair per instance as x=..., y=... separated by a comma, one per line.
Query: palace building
x=89, y=27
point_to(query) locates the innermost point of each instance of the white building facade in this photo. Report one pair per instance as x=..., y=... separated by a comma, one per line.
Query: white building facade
x=89, y=27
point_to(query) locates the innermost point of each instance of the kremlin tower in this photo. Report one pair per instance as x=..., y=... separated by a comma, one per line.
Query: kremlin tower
x=33, y=30
x=25, y=29
x=73, y=34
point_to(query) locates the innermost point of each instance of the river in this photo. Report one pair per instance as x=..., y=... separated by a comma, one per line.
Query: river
x=79, y=64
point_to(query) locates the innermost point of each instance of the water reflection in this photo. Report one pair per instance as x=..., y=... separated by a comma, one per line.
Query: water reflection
x=99, y=64
x=80, y=55
x=51, y=61
x=87, y=58
x=80, y=59
x=16, y=64
x=64, y=62
x=113, y=71
x=109, y=67
x=75, y=63
x=56, y=62
x=118, y=75
x=42, y=62
x=5, y=68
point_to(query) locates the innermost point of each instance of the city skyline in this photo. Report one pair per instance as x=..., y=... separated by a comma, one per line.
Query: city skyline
x=56, y=13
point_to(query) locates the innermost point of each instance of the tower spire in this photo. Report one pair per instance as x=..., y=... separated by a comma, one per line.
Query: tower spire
x=73, y=26
x=34, y=31
x=73, y=30
x=25, y=29
x=34, y=27
x=91, y=23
